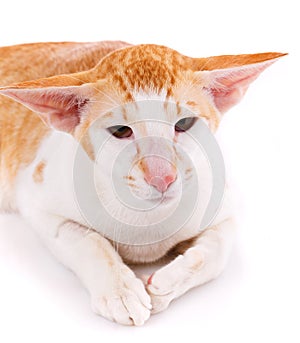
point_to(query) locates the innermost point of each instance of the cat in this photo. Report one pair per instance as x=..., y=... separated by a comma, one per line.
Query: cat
x=119, y=118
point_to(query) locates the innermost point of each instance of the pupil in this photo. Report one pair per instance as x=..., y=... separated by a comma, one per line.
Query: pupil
x=184, y=124
x=120, y=131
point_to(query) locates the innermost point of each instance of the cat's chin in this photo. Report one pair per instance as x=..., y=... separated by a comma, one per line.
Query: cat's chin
x=162, y=199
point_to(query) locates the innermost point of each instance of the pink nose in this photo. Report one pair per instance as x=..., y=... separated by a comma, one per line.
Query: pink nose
x=161, y=183
x=158, y=172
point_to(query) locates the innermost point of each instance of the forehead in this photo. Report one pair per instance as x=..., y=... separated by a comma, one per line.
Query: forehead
x=144, y=67
x=151, y=106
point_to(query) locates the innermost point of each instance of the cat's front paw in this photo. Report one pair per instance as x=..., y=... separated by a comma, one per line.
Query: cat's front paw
x=161, y=290
x=127, y=302
x=171, y=281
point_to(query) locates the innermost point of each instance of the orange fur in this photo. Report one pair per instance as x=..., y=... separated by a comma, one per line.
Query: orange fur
x=21, y=130
x=231, y=61
x=38, y=174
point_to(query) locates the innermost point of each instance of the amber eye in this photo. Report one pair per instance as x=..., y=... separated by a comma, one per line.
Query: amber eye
x=120, y=131
x=185, y=124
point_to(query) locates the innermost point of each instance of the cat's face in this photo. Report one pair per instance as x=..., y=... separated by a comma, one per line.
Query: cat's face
x=148, y=147
x=147, y=157
x=141, y=119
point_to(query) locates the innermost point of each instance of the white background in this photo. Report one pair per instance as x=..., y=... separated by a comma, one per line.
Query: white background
x=257, y=297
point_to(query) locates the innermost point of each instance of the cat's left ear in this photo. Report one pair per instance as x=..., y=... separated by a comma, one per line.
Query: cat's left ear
x=227, y=78
x=60, y=101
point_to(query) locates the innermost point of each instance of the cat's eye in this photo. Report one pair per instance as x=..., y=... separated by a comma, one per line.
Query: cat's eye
x=120, y=131
x=185, y=124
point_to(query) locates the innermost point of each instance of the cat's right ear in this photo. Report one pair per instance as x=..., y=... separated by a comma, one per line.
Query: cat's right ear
x=60, y=101
x=227, y=78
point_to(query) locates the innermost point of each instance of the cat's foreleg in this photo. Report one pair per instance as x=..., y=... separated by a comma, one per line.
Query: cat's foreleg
x=116, y=293
x=201, y=263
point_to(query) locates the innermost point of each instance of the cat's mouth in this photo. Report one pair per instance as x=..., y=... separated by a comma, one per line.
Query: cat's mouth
x=147, y=196
x=151, y=195
x=162, y=198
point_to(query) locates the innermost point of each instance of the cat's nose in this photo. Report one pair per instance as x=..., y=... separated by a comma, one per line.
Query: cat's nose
x=161, y=183
x=158, y=172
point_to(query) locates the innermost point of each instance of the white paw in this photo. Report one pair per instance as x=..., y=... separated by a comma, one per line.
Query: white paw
x=168, y=283
x=127, y=302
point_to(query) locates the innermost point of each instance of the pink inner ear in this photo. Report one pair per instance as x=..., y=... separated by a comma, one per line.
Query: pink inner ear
x=226, y=97
x=225, y=100
x=63, y=113
x=59, y=107
x=64, y=121
x=228, y=86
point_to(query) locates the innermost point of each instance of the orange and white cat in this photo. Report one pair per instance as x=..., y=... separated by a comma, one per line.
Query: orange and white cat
x=92, y=100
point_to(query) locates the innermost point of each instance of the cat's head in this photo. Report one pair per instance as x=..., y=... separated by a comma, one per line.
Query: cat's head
x=135, y=111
